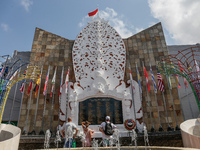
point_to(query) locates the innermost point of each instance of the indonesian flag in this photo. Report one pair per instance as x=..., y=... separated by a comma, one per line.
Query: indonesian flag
x=67, y=81
x=46, y=81
x=30, y=87
x=22, y=87
x=53, y=82
x=61, y=82
x=131, y=78
x=147, y=78
x=93, y=13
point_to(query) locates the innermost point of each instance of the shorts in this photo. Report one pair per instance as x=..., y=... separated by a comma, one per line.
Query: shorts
x=107, y=142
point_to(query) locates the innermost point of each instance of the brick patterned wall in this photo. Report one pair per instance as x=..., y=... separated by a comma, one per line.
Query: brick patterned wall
x=147, y=46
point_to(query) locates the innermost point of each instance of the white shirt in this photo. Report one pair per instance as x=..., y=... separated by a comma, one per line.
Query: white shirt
x=69, y=128
x=103, y=124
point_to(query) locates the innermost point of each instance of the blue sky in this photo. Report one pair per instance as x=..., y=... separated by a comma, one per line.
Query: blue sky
x=19, y=18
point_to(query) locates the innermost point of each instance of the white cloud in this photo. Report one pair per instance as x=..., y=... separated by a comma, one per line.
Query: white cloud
x=180, y=18
x=26, y=4
x=4, y=26
x=115, y=21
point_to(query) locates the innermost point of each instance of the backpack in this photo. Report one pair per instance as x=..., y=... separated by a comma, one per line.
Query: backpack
x=108, y=129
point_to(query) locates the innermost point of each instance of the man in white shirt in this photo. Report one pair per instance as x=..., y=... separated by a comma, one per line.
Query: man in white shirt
x=107, y=130
x=69, y=128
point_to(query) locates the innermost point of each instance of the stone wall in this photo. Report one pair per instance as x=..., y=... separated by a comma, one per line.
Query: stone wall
x=148, y=46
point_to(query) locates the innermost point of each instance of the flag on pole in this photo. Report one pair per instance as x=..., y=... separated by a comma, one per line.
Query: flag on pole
x=131, y=78
x=67, y=81
x=147, y=78
x=46, y=81
x=181, y=70
x=53, y=82
x=61, y=82
x=93, y=13
x=138, y=78
x=153, y=79
x=188, y=66
x=30, y=87
x=2, y=71
x=37, y=86
x=161, y=84
x=22, y=87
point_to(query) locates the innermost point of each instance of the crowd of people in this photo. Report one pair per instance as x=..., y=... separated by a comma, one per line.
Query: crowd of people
x=106, y=128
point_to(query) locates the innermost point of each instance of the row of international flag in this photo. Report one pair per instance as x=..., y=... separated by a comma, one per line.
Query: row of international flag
x=161, y=84
x=36, y=88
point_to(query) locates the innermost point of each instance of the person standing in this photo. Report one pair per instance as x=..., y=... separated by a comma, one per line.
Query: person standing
x=68, y=129
x=88, y=134
x=107, y=131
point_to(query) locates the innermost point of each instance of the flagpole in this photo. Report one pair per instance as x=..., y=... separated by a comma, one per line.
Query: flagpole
x=21, y=103
x=13, y=103
x=152, y=128
x=52, y=101
x=60, y=99
x=10, y=117
x=155, y=88
x=29, y=104
x=36, y=107
x=67, y=98
x=133, y=101
x=177, y=128
x=45, y=98
x=180, y=99
x=140, y=96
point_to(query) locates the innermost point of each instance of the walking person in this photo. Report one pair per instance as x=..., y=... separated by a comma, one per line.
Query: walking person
x=107, y=131
x=67, y=132
x=88, y=134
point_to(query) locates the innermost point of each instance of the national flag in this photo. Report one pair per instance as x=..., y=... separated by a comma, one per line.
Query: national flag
x=37, y=86
x=30, y=87
x=147, y=78
x=161, y=84
x=61, y=82
x=2, y=71
x=188, y=66
x=46, y=81
x=138, y=78
x=131, y=78
x=93, y=13
x=53, y=82
x=197, y=68
x=180, y=67
x=154, y=82
x=67, y=81
x=181, y=71
x=22, y=87
x=13, y=76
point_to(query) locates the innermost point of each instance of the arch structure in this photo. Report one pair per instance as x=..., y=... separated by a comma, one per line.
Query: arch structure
x=99, y=61
x=31, y=72
x=186, y=64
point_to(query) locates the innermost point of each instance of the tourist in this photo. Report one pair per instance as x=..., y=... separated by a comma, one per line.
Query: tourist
x=88, y=134
x=69, y=127
x=107, y=131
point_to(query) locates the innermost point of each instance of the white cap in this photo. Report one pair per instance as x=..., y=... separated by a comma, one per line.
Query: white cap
x=107, y=117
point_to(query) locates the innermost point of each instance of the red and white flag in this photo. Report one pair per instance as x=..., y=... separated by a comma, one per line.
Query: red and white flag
x=181, y=71
x=93, y=13
x=30, y=87
x=46, y=81
x=22, y=87
x=61, y=82
x=147, y=78
x=67, y=81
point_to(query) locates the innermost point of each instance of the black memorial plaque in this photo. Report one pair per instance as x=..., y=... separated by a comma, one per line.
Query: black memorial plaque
x=95, y=110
